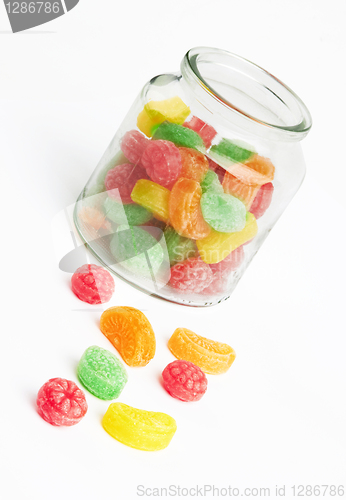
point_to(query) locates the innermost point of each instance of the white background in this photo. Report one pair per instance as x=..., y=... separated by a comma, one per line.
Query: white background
x=278, y=416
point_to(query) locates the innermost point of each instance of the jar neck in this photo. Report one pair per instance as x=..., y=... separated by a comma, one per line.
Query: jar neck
x=244, y=94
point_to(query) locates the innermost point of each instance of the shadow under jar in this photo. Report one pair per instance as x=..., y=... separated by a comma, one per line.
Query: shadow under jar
x=201, y=168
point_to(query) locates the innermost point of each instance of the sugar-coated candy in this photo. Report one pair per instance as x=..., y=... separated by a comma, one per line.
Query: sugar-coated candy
x=129, y=330
x=222, y=270
x=255, y=171
x=121, y=179
x=207, y=132
x=61, y=402
x=153, y=197
x=102, y=373
x=244, y=192
x=230, y=150
x=194, y=164
x=179, y=248
x=133, y=145
x=220, y=171
x=155, y=112
x=185, y=381
x=162, y=161
x=140, y=429
x=185, y=211
x=191, y=276
x=94, y=218
x=92, y=284
x=217, y=246
x=211, y=356
x=211, y=183
x=223, y=212
x=179, y=135
x=263, y=200
x=136, y=250
x=131, y=213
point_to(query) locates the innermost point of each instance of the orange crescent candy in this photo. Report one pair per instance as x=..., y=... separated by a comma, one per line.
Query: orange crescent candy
x=211, y=356
x=129, y=330
x=184, y=210
x=244, y=192
x=194, y=164
x=258, y=170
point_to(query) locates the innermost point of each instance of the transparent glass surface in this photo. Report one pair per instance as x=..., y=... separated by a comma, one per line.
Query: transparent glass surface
x=200, y=170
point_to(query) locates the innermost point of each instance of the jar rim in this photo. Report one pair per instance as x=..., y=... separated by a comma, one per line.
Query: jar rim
x=250, y=73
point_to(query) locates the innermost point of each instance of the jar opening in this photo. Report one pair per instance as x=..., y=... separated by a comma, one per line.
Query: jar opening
x=245, y=90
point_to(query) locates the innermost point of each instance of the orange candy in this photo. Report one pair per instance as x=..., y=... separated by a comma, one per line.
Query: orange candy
x=194, y=164
x=211, y=356
x=244, y=192
x=184, y=210
x=129, y=330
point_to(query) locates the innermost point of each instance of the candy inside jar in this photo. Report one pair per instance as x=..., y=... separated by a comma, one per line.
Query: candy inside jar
x=191, y=184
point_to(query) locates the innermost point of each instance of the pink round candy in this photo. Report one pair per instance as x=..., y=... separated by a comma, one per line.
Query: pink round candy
x=121, y=179
x=133, y=145
x=184, y=380
x=263, y=200
x=162, y=161
x=61, y=402
x=191, y=275
x=92, y=284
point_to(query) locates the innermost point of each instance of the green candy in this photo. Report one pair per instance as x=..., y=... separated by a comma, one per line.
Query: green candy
x=131, y=214
x=211, y=183
x=133, y=247
x=223, y=212
x=102, y=373
x=231, y=151
x=179, y=135
x=178, y=247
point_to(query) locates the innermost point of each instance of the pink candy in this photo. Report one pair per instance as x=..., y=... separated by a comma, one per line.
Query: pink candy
x=222, y=270
x=121, y=179
x=207, y=132
x=192, y=275
x=92, y=284
x=61, y=402
x=133, y=145
x=162, y=161
x=263, y=200
x=185, y=381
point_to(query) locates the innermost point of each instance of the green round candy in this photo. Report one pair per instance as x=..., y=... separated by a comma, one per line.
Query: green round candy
x=211, y=183
x=136, y=250
x=131, y=214
x=179, y=135
x=179, y=248
x=102, y=373
x=223, y=212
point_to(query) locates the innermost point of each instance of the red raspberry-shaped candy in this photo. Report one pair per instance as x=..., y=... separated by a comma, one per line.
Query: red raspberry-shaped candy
x=230, y=263
x=207, y=132
x=92, y=284
x=185, y=381
x=263, y=200
x=61, y=402
x=162, y=161
x=133, y=145
x=217, y=286
x=121, y=179
x=217, y=169
x=192, y=275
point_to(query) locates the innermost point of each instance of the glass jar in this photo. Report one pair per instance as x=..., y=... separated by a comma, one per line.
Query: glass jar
x=201, y=168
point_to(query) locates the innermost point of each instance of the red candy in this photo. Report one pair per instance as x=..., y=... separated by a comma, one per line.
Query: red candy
x=192, y=275
x=207, y=132
x=121, y=179
x=217, y=169
x=185, y=381
x=162, y=161
x=263, y=200
x=92, y=284
x=221, y=271
x=133, y=145
x=61, y=402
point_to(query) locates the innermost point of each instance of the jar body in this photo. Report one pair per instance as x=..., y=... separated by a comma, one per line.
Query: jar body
x=183, y=198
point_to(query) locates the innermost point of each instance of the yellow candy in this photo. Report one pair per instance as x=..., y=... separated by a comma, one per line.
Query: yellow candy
x=215, y=247
x=140, y=429
x=153, y=197
x=156, y=112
